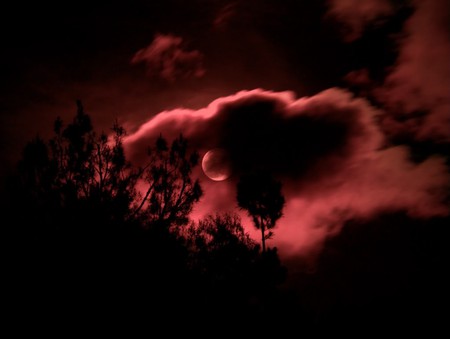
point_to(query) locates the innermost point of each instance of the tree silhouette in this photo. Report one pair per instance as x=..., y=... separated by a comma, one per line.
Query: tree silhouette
x=77, y=180
x=92, y=170
x=87, y=227
x=260, y=194
x=171, y=191
x=221, y=248
x=223, y=261
x=231, y=278
x=83, y=180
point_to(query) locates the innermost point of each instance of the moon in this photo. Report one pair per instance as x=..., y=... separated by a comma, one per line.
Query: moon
x=216, y=164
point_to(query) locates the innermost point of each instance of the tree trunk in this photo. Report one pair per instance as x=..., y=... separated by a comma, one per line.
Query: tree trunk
x=263, y=237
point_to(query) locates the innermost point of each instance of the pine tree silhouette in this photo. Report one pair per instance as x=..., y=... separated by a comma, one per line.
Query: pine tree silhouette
x=260, y=194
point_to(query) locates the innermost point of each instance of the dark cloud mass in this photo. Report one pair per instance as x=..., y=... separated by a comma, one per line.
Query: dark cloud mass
x=272, y=131
x=327, y=149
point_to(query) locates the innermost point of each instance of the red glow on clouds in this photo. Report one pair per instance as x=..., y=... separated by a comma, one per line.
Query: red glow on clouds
x=420, y=81
x=355, y=178
x=224, y=15
x=416, y=91
x=167, y=58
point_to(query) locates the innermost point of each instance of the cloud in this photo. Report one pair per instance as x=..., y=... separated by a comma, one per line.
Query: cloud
x=354, y=16
x=327, y=150
x=417, y=90
x=263, y=129
x=224, y=16
x=359, y=78
x=167, y=58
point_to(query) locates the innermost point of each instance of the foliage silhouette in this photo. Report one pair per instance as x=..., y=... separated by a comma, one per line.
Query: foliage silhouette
x=230, y=271
x=171, y=192
x=84, y=235
x=221, y=249
x=77, y=180
x=260, y=194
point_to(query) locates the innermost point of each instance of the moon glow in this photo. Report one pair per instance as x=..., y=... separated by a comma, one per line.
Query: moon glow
x=216, y=164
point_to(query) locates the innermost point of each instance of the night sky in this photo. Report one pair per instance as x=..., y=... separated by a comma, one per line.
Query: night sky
x=346, y=102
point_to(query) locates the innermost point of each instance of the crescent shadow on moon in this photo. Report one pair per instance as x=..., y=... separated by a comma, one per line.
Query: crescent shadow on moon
x=216, y=164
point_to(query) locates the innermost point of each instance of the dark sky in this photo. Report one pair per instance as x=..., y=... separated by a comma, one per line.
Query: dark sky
x=374, y=75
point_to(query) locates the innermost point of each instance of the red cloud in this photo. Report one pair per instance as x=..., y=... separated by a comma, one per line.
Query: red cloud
x=327, y=150
x=224, y=15
x=416, y=90
x=420, y=80
x=166, y=57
